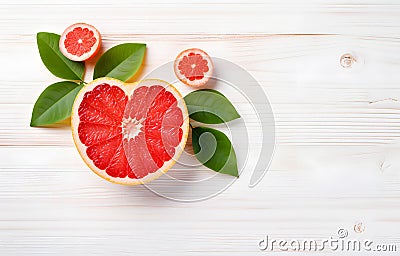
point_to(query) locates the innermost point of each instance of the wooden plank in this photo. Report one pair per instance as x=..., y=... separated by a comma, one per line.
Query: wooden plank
x=72, y=209
x=373, y=17
x=315, y=101
x=336, y=161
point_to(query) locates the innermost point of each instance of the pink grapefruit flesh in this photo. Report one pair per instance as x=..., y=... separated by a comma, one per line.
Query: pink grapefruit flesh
x=193, y=67
x=129, y=133
x=80, y=42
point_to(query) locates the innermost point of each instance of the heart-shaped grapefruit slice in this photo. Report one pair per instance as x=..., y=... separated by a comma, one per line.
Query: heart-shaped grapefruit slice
x=129, y=133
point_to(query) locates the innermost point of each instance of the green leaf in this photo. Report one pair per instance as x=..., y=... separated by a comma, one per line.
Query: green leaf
x=120, y=62
x=55, y=61
x=55, y=103
x=210, y=107
x=214, y=150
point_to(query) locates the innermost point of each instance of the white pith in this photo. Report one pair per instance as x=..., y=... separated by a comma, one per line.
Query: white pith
x=131, y=127
x=128, y=88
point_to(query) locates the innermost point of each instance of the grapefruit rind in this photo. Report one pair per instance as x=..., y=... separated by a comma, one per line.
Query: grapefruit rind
x=128, y=88
x=207, y=75
x=85, y=56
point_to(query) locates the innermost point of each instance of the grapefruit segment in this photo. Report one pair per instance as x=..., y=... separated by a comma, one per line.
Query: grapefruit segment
x=90, y=133
x=105, y=104
x=102, y=152
x=119, y=166
x=129, y=133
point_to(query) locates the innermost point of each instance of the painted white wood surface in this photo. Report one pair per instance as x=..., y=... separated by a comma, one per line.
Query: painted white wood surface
x=336, y=161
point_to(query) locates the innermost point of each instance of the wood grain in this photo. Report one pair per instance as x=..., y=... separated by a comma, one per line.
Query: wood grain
x=336, y=159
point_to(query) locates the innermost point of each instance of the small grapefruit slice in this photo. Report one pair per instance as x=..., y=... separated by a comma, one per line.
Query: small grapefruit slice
x=129, y=133
x=193, y=67
x=80, y=42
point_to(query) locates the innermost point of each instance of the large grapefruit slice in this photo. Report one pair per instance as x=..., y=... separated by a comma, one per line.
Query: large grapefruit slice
x=129, y=133
x=193, y=67
x=80, y=42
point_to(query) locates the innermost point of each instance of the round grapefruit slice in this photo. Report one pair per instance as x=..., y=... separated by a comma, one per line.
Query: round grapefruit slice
x=193, y=67
x=80, y=42
x=129, y=133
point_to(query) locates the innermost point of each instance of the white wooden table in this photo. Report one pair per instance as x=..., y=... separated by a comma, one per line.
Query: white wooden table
x=336, y=161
